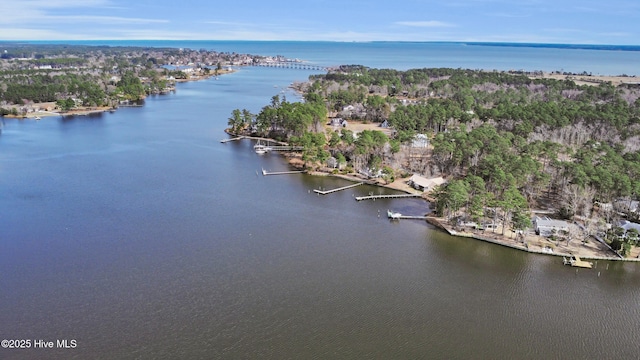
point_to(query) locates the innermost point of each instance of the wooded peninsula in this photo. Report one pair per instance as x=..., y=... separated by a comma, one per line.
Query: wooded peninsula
x=509, y=144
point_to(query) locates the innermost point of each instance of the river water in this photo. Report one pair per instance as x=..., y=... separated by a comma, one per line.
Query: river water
x=139, y=235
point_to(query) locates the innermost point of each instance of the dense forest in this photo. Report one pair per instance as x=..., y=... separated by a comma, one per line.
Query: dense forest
x=506, y=142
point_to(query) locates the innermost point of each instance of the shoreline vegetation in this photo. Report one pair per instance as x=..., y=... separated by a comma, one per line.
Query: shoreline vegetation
x=83, y=111
x=514, y=148
x=508, y=144
x=589, y=249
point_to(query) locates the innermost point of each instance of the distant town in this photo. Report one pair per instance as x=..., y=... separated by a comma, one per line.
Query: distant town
x=42, y=80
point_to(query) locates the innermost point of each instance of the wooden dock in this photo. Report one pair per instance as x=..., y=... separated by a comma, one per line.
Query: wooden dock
x=373, y=197
x=576, y=262
x=266, y=173
x=285, y=148
x=130, y=105
x=321, y=192
x=409, y=217
x=232, y=139
x=279, y=145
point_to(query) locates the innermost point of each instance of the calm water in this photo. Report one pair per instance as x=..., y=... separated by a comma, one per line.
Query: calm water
x=140, y=235
x=403, y=55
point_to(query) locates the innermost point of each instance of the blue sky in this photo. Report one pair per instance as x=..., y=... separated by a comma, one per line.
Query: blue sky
x=538, y=21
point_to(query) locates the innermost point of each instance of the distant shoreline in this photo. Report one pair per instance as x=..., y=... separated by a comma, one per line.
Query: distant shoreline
x=83, y=111
x=133, y=42
x=560, y=46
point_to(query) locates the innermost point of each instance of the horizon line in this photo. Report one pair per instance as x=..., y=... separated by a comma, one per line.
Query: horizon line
x=584, y=46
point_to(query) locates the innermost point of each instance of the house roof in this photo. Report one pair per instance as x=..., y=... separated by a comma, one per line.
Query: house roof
x=550, y=223
x=420, y=140
x=426, y=183
x=628, y=225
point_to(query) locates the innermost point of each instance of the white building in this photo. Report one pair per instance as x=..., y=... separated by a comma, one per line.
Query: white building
x=420, y=141
x=421, y=183
x=628, y=225
x=546, y=227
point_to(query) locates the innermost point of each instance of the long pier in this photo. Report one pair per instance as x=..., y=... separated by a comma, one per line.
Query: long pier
x=336, y=189
x=409, y=217
x=266, y=173
x=281, y=146
x=232, y=139
x=373, y=197
x=285, y=147
x=292, y=65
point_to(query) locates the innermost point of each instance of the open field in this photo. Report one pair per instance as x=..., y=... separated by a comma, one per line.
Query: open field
x=591, y=80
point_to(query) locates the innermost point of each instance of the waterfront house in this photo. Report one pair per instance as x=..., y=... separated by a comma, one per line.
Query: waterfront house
x=332, y=162
x=371, y=173
x=626, y=205
x=420, y=141
x=338, y=122
x=628, y=225
x=547, y=227
x=421, y=183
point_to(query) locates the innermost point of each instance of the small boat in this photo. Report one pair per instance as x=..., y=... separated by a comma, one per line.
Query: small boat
x=37, y=117
x=393, y=215
x=260, y=148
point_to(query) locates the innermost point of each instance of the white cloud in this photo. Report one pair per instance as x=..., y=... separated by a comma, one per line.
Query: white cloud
x=52, y=4
x=38, y=13
x=509, y=15
x=429, y=23
x=103, y=19
x=228, y=23
x=36, y=34
x=617, y=34
x=565, y=30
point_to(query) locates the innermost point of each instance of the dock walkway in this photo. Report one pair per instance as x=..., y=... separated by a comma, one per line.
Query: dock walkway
x=321, y=192
x=409, y=217
x=285, y=148
x=232, y=139
x=373, y=197
x=279, y=145
x=266, y=173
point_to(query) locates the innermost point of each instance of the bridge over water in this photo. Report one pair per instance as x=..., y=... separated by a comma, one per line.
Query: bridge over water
x=293, y=65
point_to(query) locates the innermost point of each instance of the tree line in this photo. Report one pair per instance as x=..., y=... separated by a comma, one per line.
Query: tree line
x=506, y=142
